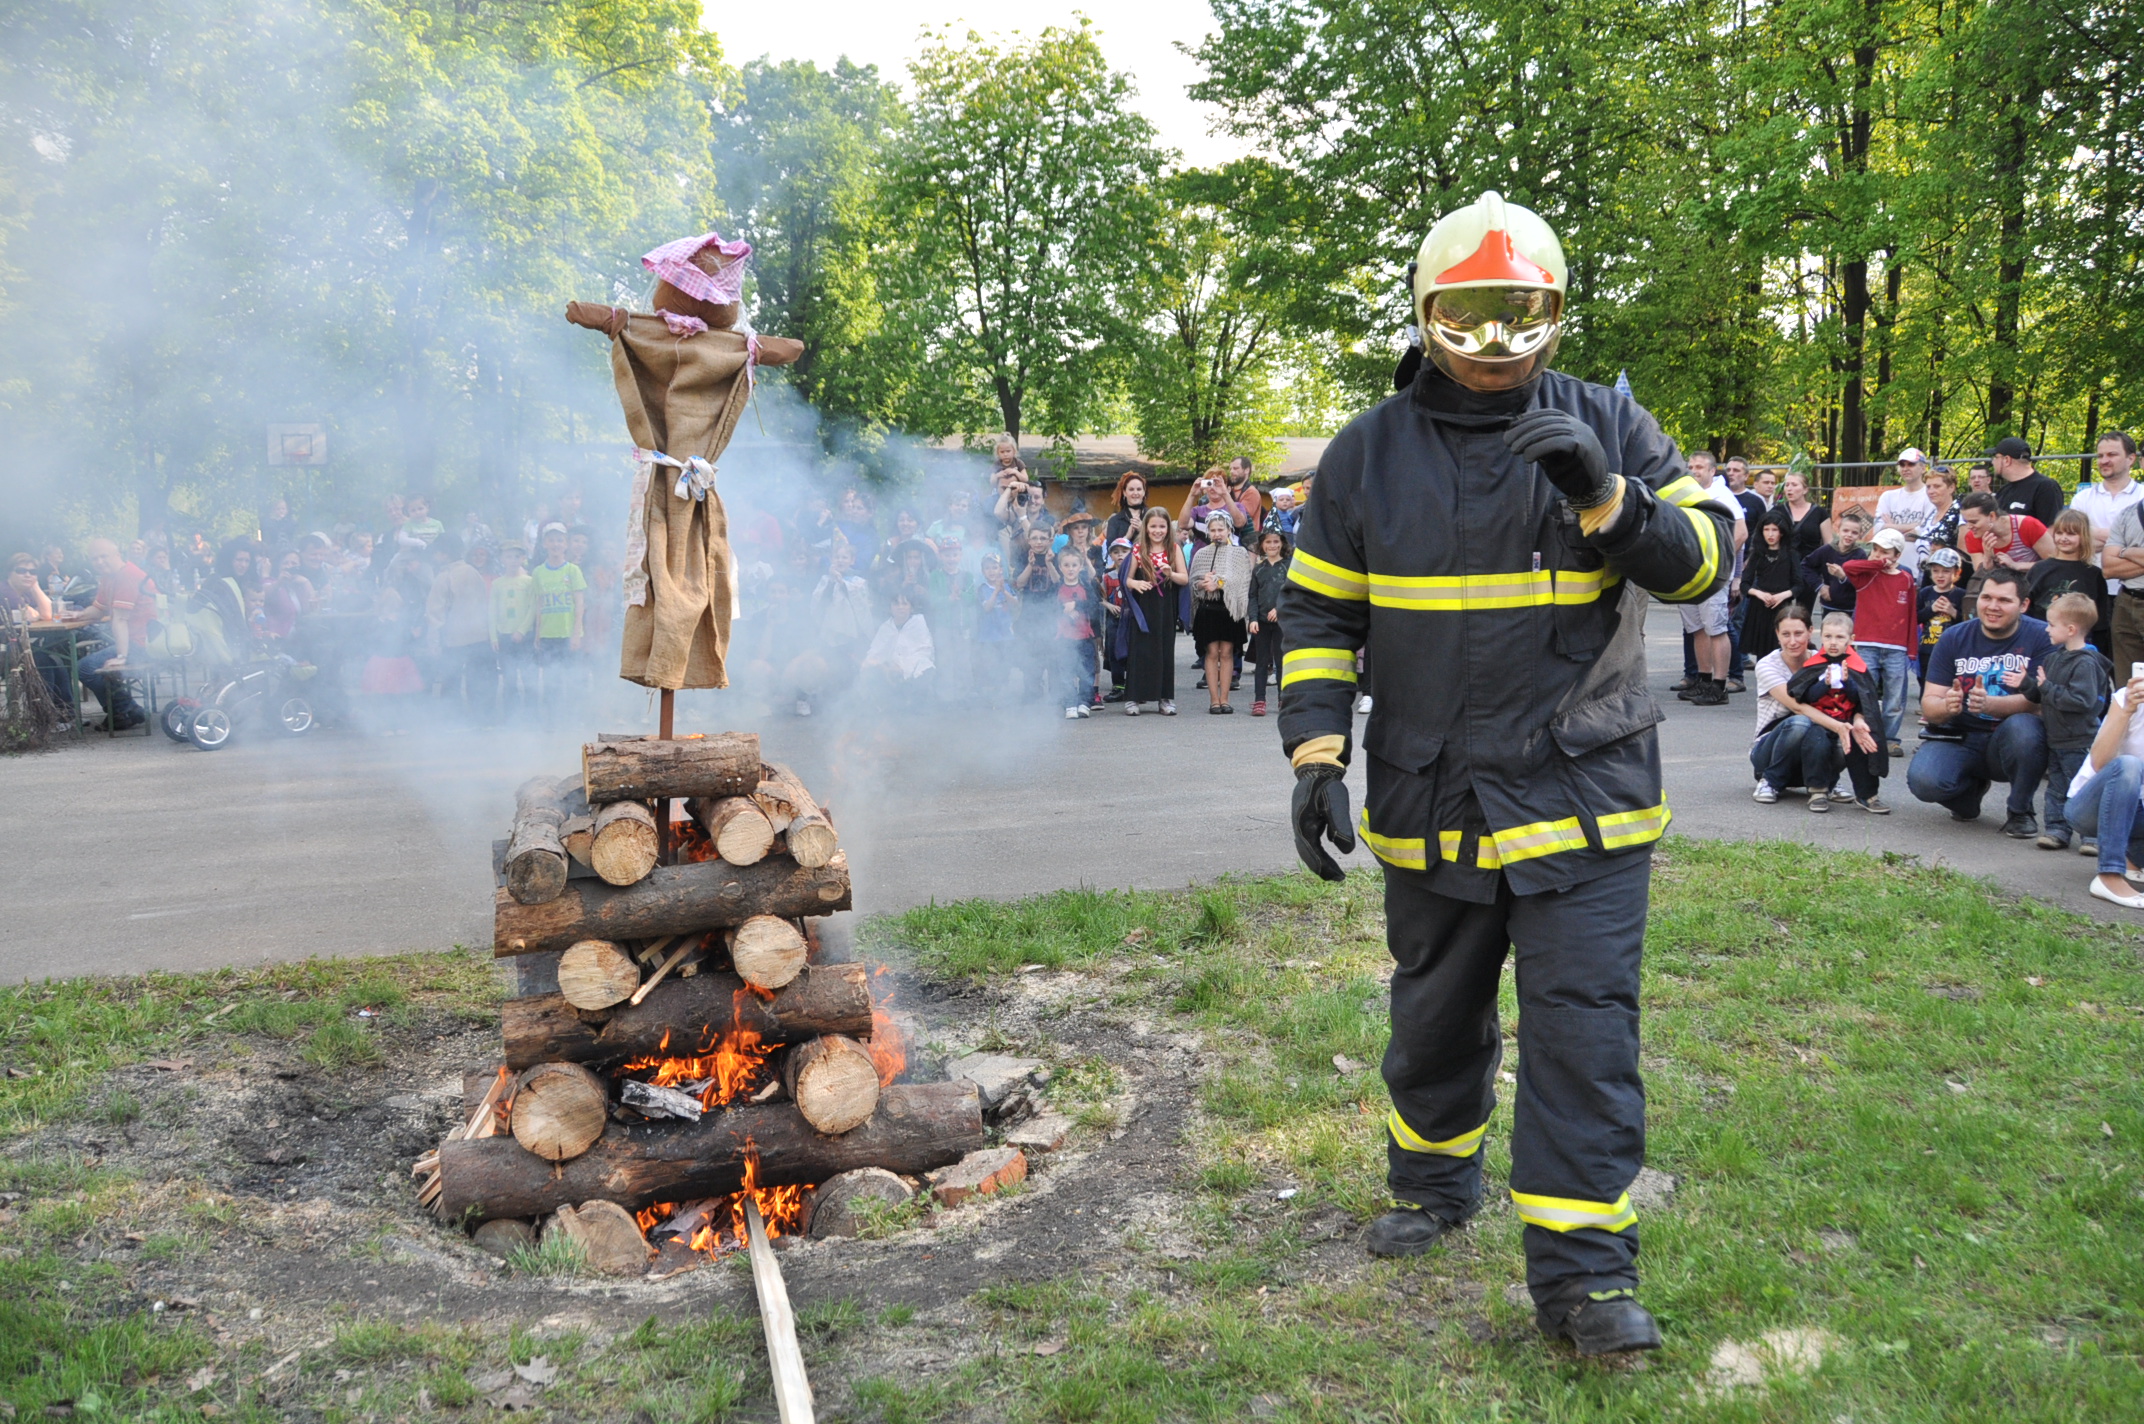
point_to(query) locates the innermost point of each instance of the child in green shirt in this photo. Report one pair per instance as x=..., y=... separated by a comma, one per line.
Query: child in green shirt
x=513, y=619
x=561, y=605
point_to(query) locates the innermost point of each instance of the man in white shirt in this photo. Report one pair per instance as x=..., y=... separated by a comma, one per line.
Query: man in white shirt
x=1907, y=508
x=2115, y=492
x=1706, y=623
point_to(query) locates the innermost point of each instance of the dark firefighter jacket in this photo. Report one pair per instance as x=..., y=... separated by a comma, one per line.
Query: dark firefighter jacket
x=1511, y=730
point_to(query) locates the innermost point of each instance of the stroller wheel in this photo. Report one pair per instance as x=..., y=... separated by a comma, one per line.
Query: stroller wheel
x=211, y=729
x=176, y=717
x=295, y=716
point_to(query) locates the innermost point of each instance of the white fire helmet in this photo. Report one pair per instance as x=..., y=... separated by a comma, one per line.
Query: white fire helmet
x=1489, y=286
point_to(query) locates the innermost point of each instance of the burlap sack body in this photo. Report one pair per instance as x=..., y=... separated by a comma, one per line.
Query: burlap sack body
x=682, y=396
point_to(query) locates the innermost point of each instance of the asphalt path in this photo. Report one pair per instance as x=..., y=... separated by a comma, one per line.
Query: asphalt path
x=133, y=854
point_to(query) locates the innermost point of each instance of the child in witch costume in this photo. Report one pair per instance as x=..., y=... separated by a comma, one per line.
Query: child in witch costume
x=1836, y=682
x=683, y=375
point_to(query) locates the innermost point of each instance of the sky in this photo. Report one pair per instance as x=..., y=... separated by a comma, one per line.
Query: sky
x=1138, y=36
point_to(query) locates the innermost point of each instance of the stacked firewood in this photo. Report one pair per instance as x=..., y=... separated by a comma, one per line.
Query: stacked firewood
x=677, y=1037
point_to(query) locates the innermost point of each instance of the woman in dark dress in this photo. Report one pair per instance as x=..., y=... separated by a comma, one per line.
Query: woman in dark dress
x=1131, y=508
x=1807, y=518
x=1767, y=582
x=1153, y=577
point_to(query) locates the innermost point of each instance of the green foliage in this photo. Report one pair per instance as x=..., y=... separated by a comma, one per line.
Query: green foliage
x=555, y=1254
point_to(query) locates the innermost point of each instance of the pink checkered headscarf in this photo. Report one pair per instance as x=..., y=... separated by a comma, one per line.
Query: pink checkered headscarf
x=673, y=263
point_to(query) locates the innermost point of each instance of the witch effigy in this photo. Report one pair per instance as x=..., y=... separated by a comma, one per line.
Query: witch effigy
x=684, y=374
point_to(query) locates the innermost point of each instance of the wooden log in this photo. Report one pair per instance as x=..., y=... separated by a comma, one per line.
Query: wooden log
x=917, y=1128
x=576, y=834
x=841, y=1206
x=559, y=1110
x=768, y=951
x=535, y=855
x=595, y=974
x=623, y=847
x=644, y=769
x=792, y=811
x=688, y=1016
x=575, y=869
x=654, y=1101
x=673, y=899
x=737, y=826
x=833, y=1082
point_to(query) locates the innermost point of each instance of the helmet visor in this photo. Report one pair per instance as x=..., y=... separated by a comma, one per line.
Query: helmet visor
x=1493, y=323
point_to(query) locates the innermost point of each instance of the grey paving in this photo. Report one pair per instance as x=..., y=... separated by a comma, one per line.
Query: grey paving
x=136, y=854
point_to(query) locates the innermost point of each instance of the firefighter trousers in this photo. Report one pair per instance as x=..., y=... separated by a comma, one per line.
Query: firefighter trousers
x=1578, y=1115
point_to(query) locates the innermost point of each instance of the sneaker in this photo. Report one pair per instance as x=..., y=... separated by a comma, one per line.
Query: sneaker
x=1734, y=684
x=1843, y=794
x=1894, y=749
x=1873, y=805
x=1819, y=804
x=803, y=707
x=1168, y=709
x=1956, y=815
x=1711, y=694
x=1071, y=714
x=2088, y=846
x=2022, y=826
x=1131, y=709
x=1115, y=694
x=1685, y=685
x=1362, y=705
x=1202, y=684
x=1258, y=709
x=2053, y=840
x=1084, y=710
x=1764, y=795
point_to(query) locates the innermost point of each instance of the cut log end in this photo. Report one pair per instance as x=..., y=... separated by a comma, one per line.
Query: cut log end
x=833, y=1082
x=559, y=1110
x=596, y=974
x=768, y=951
x=738, y=827
x=624, y=846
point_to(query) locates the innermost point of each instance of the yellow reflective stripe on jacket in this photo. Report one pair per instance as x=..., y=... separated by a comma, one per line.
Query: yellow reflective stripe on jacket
x=1629, y=828
x=1485, y=855
x=1464, y=1145
x=1688, y=496
x=1306, y=663
x=1311, y=572
x=1565, y=1214
x=1541, y=838
x=1458, y=593
x=1406, y=852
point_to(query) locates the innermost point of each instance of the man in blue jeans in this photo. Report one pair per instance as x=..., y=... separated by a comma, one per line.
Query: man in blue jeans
x=1980, y=728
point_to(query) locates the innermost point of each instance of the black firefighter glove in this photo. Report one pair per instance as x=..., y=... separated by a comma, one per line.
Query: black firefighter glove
x=1321, y=813
x=1567, y=451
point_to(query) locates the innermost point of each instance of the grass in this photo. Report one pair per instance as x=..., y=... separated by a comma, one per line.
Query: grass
x=1902, y=1108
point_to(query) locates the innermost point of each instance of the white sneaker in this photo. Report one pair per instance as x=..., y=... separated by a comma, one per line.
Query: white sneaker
x=1131, y=709
x=1071, y=714
x=1764, y=795
x=1084, y=710
x=1362, y=705
x=1842, y=793
x=1168, y=709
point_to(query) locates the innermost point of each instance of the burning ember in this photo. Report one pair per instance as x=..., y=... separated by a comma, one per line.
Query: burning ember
x=714, y=1226
x=889, y=1045
x=729, y=1072
x=689, y=844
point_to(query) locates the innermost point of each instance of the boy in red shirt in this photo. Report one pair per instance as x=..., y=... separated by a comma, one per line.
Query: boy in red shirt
x=1885, y=613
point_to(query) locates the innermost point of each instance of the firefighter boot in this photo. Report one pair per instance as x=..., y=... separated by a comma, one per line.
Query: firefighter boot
x=1405, y=1230
x=1600, y=1323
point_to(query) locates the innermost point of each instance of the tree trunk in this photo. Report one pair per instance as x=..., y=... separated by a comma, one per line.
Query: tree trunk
x=736, y=826
x=595, y=974
x=833, y=1082
x=792, y=812
x=917, y=1128
x=723, y=764
x=683, y=1017
x=673, y=899
x=535, y=854
x=559, y=1110
x=623, y=849
x=2010, y=267
x=768, y=952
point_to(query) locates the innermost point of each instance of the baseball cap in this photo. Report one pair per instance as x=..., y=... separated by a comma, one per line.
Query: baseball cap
x=1943, y=558
x=1890, y=539
x=2015, y=448
x=554, y=525
x=1913, y=453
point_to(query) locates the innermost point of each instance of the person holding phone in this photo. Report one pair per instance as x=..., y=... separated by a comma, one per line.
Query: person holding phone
x=1980, y=727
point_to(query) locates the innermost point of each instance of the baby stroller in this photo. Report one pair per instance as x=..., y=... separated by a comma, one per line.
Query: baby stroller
x=269, y=690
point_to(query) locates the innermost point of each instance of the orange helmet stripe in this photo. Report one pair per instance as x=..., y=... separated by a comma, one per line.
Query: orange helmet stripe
x=1496, y=260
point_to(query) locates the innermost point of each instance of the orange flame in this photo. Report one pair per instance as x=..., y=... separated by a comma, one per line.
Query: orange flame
x=731, y=1066
x=688, y=843
x=781, y=1208
x=889, y=1046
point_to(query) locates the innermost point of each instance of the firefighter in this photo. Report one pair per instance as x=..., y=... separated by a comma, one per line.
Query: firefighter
x=1489, y=537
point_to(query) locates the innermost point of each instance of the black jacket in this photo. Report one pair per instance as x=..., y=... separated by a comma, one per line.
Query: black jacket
x=1267, y=582
x=2074, y=697
x=1859, y=691
x=1512, y=729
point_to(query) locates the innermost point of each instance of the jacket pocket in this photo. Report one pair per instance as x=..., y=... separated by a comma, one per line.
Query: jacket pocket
x=1405, y=747
x=1396, y=814
x=1580, y=628
x=1610, y=718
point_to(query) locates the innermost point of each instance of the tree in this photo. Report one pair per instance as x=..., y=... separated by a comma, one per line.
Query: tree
x=1022, y=177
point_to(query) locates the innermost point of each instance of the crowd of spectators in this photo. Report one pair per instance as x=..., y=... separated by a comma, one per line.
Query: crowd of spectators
x=2018, y=613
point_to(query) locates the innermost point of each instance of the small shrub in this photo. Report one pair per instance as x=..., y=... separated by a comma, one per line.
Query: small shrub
x=341, y=1044
x=556, y=1255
